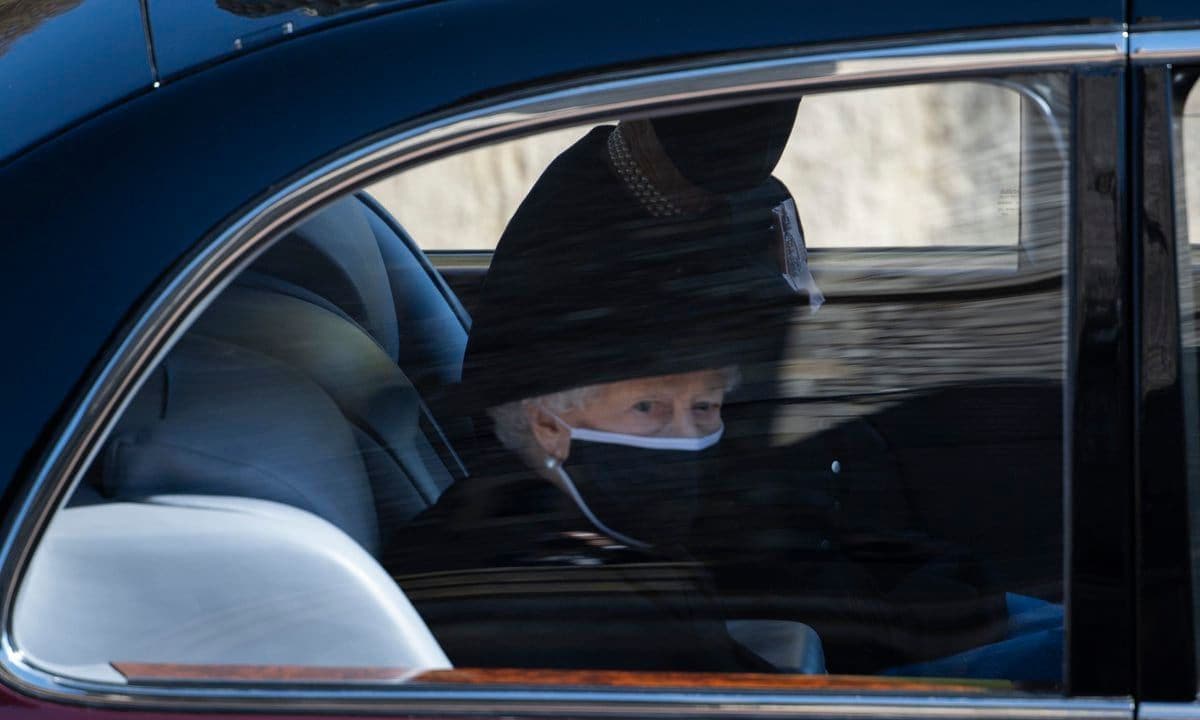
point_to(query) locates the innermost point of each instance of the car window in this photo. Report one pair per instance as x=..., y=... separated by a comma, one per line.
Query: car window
x=961, y=139
x=1187, y=127
x=762, y=388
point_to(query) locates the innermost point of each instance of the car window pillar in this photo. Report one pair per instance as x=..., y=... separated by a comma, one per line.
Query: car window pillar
x=1165, y=664
x=1099, y=630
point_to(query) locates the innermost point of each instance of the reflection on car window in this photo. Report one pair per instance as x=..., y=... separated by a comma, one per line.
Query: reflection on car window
x=1187, y=126
x=961, y=138
x=771, y=388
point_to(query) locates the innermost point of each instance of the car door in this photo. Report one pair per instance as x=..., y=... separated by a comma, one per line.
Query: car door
x=1068, y=257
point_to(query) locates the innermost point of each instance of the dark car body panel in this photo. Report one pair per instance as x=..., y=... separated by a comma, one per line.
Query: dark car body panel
x=49, y=61
x=189, y=35
x=47, y=89
x=1164, y=11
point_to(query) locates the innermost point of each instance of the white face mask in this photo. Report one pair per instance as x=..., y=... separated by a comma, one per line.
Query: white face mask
x=686, y=444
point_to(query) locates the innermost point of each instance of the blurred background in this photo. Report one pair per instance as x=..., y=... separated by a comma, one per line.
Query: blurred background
x=849, y=159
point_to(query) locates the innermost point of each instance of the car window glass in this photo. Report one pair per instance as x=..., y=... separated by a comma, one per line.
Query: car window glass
x=768, y=388
x=1190, y=145
x=1187, y=125
x=962, y=139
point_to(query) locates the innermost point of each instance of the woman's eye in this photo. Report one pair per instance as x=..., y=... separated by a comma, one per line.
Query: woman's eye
x=644, y=406
x=706, y=407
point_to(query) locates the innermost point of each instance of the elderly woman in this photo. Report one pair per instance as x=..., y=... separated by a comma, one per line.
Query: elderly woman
x=648, y=262
x=651, y=265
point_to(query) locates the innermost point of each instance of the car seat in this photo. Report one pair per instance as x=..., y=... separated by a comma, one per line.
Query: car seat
x=349, y=301
x=218, y=419
x=356, y=257
x=336, y=427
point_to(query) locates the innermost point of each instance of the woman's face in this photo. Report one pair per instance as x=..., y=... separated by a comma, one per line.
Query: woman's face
x=644, y=492
x=682, y=405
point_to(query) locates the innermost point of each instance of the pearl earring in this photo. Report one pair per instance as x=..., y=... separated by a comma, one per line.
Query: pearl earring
x=551, y=462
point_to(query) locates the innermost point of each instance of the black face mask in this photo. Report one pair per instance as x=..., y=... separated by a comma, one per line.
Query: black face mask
x=648, y=496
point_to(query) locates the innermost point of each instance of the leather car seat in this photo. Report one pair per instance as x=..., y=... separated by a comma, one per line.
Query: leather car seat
x=202, y=580
x=336, y=306
x=350, y=300
x=389, y=422
x=217, y=419
x=354, y=255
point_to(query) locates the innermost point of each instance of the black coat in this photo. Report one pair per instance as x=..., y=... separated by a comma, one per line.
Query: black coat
x=508, y=573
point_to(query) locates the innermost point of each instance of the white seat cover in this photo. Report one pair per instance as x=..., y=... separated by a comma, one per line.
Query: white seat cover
x=210, y=580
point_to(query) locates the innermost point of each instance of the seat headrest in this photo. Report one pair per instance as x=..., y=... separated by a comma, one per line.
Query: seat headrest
x=353, y=255
x=336, y=255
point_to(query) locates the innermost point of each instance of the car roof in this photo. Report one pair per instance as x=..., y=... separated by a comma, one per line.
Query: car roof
x=50, y=53
x=189, y=35
x=1164, y=11
x=49, y=56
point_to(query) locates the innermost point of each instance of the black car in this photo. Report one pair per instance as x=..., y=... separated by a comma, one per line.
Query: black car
x=526, y=358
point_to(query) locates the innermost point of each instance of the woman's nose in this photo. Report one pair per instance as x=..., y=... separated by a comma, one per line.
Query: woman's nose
x=683, y=424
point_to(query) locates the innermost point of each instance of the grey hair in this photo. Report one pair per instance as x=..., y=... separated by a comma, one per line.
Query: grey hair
x=512, y=423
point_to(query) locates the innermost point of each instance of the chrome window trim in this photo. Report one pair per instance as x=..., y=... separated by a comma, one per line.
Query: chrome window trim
x=521, y=704
x=459, y=259
x=1168, y=711
x=192, y=284
x=1163, y=46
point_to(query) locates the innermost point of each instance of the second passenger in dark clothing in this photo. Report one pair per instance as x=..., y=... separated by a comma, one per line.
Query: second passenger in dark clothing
x=507, y=572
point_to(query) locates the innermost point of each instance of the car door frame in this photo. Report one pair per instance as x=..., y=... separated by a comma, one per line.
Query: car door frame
x=1100, y=368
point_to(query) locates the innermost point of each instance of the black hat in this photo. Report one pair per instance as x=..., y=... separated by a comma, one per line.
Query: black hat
x=601, y=275
x=729, y=150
